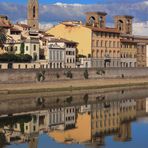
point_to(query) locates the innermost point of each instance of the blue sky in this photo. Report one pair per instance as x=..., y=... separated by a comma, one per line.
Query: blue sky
x=73, y=1
x=54, y=11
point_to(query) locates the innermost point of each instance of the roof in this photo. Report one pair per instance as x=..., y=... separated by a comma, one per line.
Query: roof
x=106, y=29
x=128, y=41
x=24, y=25
x=62, y=40
x=97, y=12
x=141, y=37
x=46, y=34
x=4, y=23
x=127, y=16
x=15, y=29
x=43, y=39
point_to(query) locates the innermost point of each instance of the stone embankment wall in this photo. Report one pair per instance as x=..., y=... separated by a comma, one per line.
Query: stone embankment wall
x=47, y=75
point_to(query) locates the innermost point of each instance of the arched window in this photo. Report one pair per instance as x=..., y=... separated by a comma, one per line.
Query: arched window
x=120, y=25
x=34, y=12
x=91, y=21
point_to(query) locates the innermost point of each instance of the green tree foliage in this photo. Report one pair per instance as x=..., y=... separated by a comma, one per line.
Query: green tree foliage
x=2, y=140
x=18, y=58
x=5, y=121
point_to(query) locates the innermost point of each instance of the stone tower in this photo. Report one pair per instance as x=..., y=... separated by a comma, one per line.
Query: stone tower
x=33, y=14
x=124, y=24
x=96, y=19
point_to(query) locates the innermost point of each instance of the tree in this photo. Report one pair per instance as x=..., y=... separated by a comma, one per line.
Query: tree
x=20, y=58
x=2, y=140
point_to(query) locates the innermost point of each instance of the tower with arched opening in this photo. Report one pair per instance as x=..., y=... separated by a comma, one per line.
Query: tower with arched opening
x=96, y=19
x=124, y=24
x=33, y=14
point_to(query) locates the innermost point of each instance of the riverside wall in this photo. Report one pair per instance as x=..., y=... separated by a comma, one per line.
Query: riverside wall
x=30, y=75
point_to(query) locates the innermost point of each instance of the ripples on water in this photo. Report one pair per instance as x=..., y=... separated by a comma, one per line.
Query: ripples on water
x=75, y=120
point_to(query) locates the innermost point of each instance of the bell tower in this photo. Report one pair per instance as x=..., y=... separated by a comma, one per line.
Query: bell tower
x=124, y=24
x=96, y=19
x=33, y=14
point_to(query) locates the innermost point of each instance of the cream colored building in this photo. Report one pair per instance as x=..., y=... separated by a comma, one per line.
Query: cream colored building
x=20, y=36
x=128, y=53
x=61, y=53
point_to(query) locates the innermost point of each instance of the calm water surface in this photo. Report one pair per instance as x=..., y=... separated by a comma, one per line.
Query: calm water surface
x=75, y=120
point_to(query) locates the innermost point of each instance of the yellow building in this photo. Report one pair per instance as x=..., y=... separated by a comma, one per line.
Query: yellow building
x=94, y=39
x=74, y=31
x=128, y=53
x=83, y=125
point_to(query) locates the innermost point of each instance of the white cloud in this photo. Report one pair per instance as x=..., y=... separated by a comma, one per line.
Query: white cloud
x=140, y=28
x=45, y=26
x=51, y=13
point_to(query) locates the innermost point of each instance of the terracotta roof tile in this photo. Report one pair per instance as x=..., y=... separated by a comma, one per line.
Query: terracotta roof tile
x=4, y=23
x=24, y=25
x=107, y=29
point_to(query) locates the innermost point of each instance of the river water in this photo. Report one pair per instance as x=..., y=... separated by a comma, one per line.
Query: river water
x=92, y=119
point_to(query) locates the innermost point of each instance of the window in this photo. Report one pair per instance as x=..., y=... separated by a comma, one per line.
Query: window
x=11, y=48
x=110, y=43
x=50, y=55
x=105, y=43
x=101, y=43
x=93, y=43
x=114, y=44
x=26, y=48
x=34, y=128
x=15, y=48
x=97, y=43
x=34, y=47
x=26, y=127
x=34, y=12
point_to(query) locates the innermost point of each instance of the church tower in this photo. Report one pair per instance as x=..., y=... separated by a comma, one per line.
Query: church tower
x=33, y=14
x=124, y=24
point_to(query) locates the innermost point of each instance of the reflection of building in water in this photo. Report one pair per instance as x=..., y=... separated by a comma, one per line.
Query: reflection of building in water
x=141, y=107
x=70, y=117
x=56, y=118
x=79, y=134
x=33, y=142
x=62, y=118
x=85, y=108
x=108, y=117
x=146, y=105
x=24, y=130
x=85, y=123
x=124, y=132
x=104, y=119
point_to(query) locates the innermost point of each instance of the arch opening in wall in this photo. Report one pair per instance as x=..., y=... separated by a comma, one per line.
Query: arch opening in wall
x=34, y=12
x=92, y=21
x=120, y=25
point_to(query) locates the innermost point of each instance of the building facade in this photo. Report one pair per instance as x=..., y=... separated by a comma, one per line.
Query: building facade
x=106, y=46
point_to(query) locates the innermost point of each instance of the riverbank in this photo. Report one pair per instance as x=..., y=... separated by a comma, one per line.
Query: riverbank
x=71, y=85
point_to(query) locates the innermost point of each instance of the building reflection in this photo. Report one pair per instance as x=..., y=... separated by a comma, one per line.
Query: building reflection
x=88, y=123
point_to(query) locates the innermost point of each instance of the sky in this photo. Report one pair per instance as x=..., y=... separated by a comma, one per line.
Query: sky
x=54, y=11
